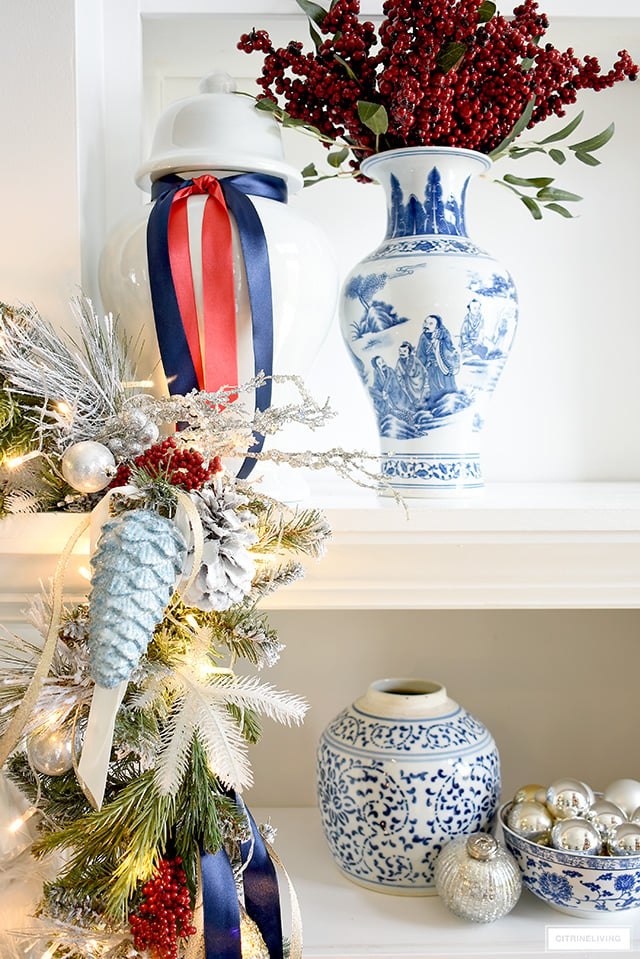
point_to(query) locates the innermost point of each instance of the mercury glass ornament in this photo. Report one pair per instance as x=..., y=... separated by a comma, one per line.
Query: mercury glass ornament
x=50, y=752
x=477, y=878
x=88, y=466
x=605, y=816
x=529, y=819
x=567, y=798
x=625, y=840
x=576, y=835
x=624, y=793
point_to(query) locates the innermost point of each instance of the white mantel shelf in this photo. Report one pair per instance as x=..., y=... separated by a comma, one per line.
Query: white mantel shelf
x=516, y=546
x=341, y=920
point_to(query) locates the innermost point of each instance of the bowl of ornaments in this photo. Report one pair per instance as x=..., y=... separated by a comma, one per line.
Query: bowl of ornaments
x=578, y=851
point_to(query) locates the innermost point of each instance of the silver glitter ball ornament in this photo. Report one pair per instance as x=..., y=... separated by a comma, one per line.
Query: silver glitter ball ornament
x=576, y=835
x=477, y=879
x=605, y=816
x=529, y=819
x=88, y=466
x=624, y=793
x=567, y=798
x=624, y=840
x=50, y=751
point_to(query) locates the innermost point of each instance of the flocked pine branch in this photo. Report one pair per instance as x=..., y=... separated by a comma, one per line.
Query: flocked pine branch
x=299, y=531
x=77, y=385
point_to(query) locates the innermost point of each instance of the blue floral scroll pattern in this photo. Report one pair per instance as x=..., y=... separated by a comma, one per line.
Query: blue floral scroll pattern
x=417, y=468
x=386, y=823
x=435, y=245
x=362, y=732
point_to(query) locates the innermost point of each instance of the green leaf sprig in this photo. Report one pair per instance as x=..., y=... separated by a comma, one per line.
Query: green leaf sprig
x=541, y=194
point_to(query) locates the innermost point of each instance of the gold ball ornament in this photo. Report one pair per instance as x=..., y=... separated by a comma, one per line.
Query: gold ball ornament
x=533, y=792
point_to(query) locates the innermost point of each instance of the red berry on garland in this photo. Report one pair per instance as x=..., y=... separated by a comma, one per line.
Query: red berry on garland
x=182, y=467
x=165, y=915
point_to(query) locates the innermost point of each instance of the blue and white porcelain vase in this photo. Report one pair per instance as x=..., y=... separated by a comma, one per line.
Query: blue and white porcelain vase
x=400, y=773
x=429, y=319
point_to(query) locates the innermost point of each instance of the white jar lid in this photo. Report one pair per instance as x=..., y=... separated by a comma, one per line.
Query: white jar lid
x=217, y=130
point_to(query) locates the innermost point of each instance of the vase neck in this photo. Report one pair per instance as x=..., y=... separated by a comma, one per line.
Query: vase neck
x=426, y=189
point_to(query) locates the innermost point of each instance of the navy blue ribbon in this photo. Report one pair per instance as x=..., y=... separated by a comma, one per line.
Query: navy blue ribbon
x=261, y=893
x=221, y=909
x=220, y=898
x=172, y=340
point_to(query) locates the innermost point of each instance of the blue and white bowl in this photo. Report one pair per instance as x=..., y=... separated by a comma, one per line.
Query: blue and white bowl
x=582, y=886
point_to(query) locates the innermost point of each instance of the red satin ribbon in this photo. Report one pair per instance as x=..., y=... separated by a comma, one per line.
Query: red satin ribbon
x=214, y=356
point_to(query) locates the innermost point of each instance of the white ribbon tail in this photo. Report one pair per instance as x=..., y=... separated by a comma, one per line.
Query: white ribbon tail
x=98, y=739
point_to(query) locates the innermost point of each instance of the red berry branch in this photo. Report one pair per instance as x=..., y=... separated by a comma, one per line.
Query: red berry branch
x=182, y=467
x=437, y=72
x=165, y=913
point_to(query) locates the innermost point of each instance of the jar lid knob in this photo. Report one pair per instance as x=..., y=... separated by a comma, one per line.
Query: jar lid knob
x=217, y=82
x=482, y=846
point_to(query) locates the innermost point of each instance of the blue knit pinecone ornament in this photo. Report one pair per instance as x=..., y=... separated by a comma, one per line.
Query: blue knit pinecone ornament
x=136, y=564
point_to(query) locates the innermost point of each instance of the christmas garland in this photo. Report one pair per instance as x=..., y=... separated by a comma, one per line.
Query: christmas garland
x=128, y=732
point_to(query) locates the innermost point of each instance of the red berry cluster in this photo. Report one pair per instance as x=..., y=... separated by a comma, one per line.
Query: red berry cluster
x=165, y=913
x=181, y=466
x=445, y=73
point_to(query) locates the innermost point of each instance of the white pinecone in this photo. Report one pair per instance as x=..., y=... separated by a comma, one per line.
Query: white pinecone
x=227, y=569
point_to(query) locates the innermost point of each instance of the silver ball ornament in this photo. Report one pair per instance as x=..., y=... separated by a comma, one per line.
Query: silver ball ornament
x=530, y=819
x=624, y=793
x=567, y=798
x=576, y=835
x=624, y=840
x=50, y=752
x=605, y=816
x=88, y=466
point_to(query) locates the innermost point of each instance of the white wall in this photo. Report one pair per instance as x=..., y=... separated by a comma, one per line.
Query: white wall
x=39, y=215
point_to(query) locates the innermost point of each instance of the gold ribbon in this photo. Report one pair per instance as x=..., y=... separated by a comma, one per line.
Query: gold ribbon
x=16, y=727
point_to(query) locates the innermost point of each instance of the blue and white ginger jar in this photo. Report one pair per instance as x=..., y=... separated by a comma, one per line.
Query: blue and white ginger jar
x=428, y=319
x=400, y=773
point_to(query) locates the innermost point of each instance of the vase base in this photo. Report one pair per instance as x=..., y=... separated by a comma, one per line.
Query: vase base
x=432, y=475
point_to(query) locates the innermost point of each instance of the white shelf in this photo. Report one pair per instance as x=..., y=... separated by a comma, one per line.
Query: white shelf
x=517, y=546
x=342, y=920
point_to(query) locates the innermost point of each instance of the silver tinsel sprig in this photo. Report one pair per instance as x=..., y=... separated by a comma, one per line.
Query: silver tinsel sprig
x=220, y=427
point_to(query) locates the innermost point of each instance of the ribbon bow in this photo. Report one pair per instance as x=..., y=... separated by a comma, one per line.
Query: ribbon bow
x=208, y=360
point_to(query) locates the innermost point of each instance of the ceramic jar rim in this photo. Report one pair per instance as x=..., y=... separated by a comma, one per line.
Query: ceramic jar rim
x=405, y=697
x=372, y=161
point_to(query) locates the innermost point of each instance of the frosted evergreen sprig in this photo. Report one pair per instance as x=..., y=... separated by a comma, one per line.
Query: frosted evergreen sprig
x=71, y=387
